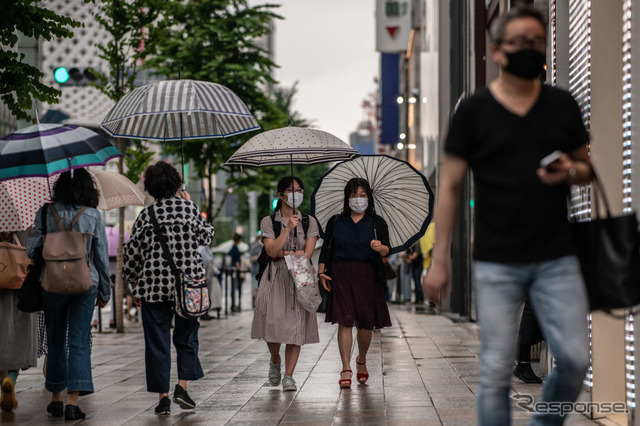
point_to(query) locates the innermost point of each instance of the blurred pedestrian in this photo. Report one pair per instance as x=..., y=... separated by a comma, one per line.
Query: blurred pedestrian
x=405, y=277
x=278, y=317
x=236, y=274
x=523, y=241
x=68, y=316
x=147, y=270
x=426, y=246
x=254, y=252
x=529, y=334
x=416, y=262
x=18, y=331
x=354, y=274
x=213, y=284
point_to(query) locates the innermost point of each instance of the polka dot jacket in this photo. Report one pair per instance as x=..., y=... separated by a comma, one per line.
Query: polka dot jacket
x=145, y=268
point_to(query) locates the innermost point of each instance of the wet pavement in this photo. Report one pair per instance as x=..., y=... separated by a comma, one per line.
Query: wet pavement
x=423, y=371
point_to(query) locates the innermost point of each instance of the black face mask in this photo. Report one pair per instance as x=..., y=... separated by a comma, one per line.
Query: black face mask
x=527, y=63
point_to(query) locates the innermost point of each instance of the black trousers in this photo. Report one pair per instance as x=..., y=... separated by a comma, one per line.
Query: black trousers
x=156, y=322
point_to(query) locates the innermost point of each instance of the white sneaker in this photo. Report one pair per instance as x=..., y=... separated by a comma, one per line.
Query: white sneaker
x=288, y=384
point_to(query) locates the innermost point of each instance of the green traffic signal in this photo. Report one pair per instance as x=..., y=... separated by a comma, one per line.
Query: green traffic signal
x=61, y=75
x=274, y=204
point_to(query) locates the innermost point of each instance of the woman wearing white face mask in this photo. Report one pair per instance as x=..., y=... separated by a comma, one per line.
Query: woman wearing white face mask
x=278, y=317
x=351, y=269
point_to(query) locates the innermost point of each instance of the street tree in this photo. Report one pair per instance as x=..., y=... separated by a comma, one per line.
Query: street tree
x=264, y=179
x=127, y=22
x=218, y=41
x=20, y=83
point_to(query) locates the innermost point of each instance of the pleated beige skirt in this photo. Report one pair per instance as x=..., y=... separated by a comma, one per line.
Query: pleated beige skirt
x=278, y=317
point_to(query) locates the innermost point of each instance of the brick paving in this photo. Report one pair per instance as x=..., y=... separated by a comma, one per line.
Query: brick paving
x=424, y=371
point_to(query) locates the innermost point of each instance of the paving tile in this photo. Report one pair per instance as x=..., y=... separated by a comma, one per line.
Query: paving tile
x=423, y=371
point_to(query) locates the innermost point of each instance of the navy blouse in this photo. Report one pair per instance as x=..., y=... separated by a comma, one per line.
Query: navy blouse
x=352, y=241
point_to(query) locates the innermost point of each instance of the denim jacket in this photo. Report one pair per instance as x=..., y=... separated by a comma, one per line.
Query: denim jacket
x=91, y=223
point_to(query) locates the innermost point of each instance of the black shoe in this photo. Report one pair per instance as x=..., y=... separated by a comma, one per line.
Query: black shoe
x=181, y=397
x=524, y=372
x=56, y=408
x=164, y=406
x=73, y=412
x=207, y=317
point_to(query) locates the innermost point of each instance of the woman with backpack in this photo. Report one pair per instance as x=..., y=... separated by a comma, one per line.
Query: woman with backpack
x=148, y=270
x=278, y=317
x=67, y=306
x=351, y=269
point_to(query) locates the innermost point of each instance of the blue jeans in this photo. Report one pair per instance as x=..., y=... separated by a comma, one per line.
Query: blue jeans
x=72, y=311
x=156, y=323
x=559, y=300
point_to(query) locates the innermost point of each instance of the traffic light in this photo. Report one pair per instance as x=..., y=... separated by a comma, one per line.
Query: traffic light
x=74, y=76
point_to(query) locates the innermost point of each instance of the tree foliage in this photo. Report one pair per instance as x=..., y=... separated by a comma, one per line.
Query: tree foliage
x=20, y=82
x=217, y=40
x=128, y=23
x=265, y=179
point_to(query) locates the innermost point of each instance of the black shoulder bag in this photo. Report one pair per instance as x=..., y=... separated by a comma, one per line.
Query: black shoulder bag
x=609, y=252
x=30, y=294
x=191, y=294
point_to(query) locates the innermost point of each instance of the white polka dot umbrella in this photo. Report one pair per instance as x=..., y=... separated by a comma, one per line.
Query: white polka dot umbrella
x=401, y=195
x=20, y=200
x=291, y=145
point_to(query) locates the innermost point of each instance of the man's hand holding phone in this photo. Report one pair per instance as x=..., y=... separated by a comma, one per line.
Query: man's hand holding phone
x=555, y=168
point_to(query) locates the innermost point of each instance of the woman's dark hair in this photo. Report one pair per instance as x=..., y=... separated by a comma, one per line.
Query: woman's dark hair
x=352, y=188
x=237, y=238
x=79, y=190
x=162, y=180
x=522, y=10
x=284, y=184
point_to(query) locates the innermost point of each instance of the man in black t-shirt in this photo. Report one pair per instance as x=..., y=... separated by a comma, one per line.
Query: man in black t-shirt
x=522, y=239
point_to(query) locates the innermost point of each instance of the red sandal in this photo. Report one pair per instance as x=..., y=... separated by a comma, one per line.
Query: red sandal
x=362, y=377
x=345, y=383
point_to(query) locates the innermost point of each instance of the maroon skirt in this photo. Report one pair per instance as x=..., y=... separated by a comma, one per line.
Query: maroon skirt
x=356, y=299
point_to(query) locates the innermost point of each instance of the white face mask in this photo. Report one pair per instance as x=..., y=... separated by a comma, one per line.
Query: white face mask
x=294, y=198
x=358, y=205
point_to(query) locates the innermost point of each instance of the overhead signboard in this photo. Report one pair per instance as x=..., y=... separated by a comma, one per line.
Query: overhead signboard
x=393, y=25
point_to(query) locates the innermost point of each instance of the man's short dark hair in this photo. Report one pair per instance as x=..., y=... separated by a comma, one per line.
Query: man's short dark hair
x=496, y=33
x=162, y=180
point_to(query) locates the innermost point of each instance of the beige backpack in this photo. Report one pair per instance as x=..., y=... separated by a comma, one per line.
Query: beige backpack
x=66, y=269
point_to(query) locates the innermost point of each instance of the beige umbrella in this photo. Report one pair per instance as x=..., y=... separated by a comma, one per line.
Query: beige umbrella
x=115, y=190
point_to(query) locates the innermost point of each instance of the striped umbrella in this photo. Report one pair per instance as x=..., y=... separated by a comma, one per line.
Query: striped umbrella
x=178, y=110
x=47, y=149
x=401, y=195
x=291, y=145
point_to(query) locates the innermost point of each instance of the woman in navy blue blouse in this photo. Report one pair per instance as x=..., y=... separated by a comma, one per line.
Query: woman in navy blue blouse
x=351, y=269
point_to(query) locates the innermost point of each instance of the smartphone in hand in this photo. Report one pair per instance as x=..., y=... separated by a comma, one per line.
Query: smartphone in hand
x=546, y=161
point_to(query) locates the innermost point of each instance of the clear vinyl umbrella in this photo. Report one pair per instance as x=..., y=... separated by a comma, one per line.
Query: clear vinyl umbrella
x=401, y=195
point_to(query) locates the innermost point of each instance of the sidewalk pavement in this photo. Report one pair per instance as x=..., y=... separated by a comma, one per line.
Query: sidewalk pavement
x=424, y=371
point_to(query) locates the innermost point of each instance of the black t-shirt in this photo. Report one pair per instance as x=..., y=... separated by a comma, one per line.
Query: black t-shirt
x=518, y=218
